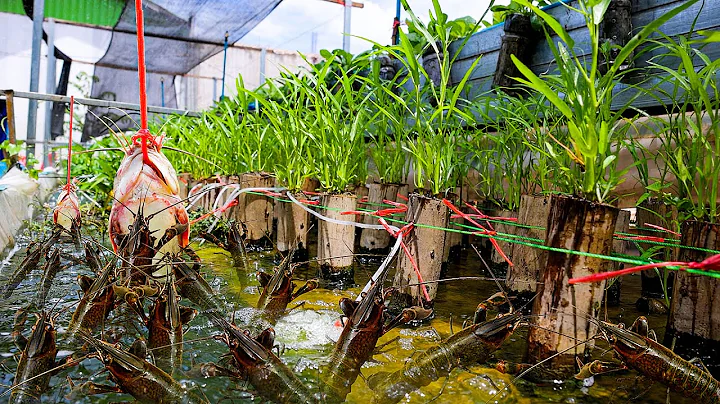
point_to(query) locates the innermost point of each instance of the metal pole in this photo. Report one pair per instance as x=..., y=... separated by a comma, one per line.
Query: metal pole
x=346, y=31
x=263, y=54
x=38, y=13
x=49, y=88
x=397, y=21
x=162, y=92
x=222, y=90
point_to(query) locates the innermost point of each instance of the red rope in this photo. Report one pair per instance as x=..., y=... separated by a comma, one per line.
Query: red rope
x=72, y=103
x=483, y=230
x=405, y=230
x=710, y=264
x=143, y=135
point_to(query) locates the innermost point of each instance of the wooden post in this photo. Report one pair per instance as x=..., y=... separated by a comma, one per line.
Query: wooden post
x=10, y=105
x=619, y=246
x=256, y=210
x=184, y=180
x=498, y=263
x=377, y=240
x=561, y=309
x=453, y=240
x=293, y=223
x=336, y=242
x=523, y=276
x=426, y=246
x=695, y=308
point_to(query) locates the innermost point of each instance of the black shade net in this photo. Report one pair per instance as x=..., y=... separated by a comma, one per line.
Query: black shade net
x=179, y=35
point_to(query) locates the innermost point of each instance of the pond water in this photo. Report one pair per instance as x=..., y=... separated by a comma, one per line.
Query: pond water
x=306, y=337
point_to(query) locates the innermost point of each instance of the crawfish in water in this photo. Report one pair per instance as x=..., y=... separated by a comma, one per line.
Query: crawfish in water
x=165, y=329
x=642, y=353
x=50, y=270
x=135, y=376
x=255, y=361
x=278, y=289
x=365, y=324
x=30, y=263
x=96, y=303
x=471, y=345
x=36, y=361
x=192, y=286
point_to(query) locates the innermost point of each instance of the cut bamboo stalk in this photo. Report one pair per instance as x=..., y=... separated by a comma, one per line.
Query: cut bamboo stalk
x=523, y=276
x=256, y=210
x=336, y=242
x=561, y=310
x=695, y=307
x=619, y=247
x=293, y=223
x=425, y=245
x=377, y=240
x=184, y=181
x=655, y=212
x=498, y=263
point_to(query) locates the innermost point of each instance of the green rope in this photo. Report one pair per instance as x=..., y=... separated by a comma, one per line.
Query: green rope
x=527, y=241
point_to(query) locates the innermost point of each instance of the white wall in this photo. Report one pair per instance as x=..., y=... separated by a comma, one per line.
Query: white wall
x=241, y=60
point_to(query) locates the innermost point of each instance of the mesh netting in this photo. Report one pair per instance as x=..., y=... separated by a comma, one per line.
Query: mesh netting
x=179, y=35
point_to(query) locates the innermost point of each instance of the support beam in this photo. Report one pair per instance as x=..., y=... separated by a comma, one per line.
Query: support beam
x=347, y=30
x=95, y=102
x=354, y=3
x=263, y=55
x=49, y=88
x=38, y=15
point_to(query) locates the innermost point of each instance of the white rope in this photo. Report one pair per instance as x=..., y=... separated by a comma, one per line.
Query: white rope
x=386, y=262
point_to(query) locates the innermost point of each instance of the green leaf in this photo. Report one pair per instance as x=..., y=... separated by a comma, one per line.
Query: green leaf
x=608, y=160
x=598, y=10
x=535, y=82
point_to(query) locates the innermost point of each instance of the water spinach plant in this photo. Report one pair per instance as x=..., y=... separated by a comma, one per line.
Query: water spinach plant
x=595, y=132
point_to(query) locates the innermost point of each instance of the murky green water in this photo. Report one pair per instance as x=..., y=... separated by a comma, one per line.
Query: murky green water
x=307, y=335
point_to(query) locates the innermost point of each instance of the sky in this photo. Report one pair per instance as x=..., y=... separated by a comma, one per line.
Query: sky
x=291, y=24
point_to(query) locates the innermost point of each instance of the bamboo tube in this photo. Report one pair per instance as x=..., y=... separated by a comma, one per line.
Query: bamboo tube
x=618, y=247
x=426, y=246
x=523, y=276
x=694, y=309
x=293, y=223
x=498, y=263
x=370, y=239
x=561, y=309
x=256, y=210
x=184, y=181
x=336, y=242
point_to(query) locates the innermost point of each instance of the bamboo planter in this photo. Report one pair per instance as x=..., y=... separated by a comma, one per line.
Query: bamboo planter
x=560, y=308
x=426, y=246
x=619, y=246
x=378, y=241
x=336, y=242
x=256, y=211
x=522, y=278
x=293, y=223
x=695, y=307
x=497, y=262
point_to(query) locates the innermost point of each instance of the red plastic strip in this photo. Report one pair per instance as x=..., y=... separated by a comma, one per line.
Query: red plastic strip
x=469, y=219
x=654, y=226
x=611, y=274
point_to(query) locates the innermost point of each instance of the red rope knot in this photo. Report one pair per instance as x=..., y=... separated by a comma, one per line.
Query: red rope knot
x=710, y=264
x=142, y=138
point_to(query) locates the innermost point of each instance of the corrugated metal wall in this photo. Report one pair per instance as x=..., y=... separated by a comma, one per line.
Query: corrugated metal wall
x=97, y=12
